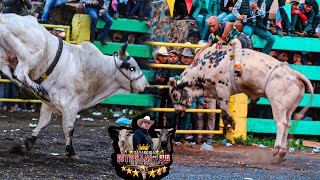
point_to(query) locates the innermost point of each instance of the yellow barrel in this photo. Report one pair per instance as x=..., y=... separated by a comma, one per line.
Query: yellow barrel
x=80, y=28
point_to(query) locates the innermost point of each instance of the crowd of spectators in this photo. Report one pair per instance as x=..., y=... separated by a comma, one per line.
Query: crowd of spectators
x=193, y=28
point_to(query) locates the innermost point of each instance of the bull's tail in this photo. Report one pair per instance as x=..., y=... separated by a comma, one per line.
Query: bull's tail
x=237, y=49
x=307, y=82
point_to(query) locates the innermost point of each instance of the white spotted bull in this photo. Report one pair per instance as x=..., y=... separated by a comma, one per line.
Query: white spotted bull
x=262, y=76
x=78, y=76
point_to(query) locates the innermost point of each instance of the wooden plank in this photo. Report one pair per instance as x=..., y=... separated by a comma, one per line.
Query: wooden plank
x=149, y=75
x=311, y=72
x=297, y=127
x=290, y=43
x=135, y=50
x=304, y=101
x=145, y=100
x=130, y=25
x=311, y=143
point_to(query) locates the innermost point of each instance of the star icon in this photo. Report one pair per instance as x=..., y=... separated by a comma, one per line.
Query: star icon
x=162, y=151
x=157, y=151
x=135, y=173
x=129, y=171
x=131, y=152
x=125, y=151
x=123, y=168
x=159, y=171
x=164, y=169
x=152, y=173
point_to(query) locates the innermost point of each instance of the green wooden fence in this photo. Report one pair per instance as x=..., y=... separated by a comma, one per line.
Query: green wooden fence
x=135, y=50
x=258, y=125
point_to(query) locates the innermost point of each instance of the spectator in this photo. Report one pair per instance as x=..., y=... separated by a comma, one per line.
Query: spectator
x=302, y=26
x=95, y=9
x=131, y=38
x=252, y=14
x=117, y=37
x=48, y=5
x=145, y=10
x=313, y=32
x=184, y=120
x=226, y=14
x=202, y=12
x=283, y=56
x=297, y=58
x=209, y=103
x=174, y=58
x=16, y=6
x=274, y=54
x=132, y=7
x=283, y=20
x=162, y=78
x=180, y=9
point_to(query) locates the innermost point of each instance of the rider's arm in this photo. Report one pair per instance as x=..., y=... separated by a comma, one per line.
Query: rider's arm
x=209, y=44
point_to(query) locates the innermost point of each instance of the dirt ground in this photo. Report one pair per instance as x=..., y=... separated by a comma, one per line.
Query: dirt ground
x=47, y=160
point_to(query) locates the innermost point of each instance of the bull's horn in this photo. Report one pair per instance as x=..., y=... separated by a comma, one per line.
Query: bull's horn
x=122, y=51
x=182, y=85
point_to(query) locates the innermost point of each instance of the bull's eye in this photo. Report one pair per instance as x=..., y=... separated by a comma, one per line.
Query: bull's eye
x=132, y=68
x=175, y=96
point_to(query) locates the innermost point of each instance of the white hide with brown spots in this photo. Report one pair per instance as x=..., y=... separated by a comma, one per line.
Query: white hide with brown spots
x=262, y=76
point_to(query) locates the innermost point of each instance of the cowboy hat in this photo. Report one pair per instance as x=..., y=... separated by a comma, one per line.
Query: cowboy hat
x=145, y=119
x=174, y=51
x=187, y=52
x=162, y=51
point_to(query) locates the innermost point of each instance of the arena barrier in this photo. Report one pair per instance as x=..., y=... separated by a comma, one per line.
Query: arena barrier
x=220, y=131
x=67, y=28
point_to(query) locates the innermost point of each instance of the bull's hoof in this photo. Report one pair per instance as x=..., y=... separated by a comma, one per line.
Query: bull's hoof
x=74, y=157
x=233, y=125
x=282, y=154
x=17, y=149
x=29, y=142
x=278, y=160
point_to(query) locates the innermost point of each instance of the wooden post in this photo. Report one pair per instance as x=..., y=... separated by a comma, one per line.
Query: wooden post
x=238, y=110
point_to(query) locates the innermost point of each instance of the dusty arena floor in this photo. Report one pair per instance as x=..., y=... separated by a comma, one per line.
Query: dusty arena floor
x=91, y=141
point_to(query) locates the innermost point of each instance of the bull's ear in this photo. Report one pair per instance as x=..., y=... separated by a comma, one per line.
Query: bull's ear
x=122, y=51
x=182, y=85
x=157, y=130
x=172, y=82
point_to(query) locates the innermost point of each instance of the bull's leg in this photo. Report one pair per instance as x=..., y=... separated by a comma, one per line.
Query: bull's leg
x=44, y=120
x=22, y=74
x=280, y=118
x=68, y=119
x=223, y=101
x=6, y=71
x=294, y=101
